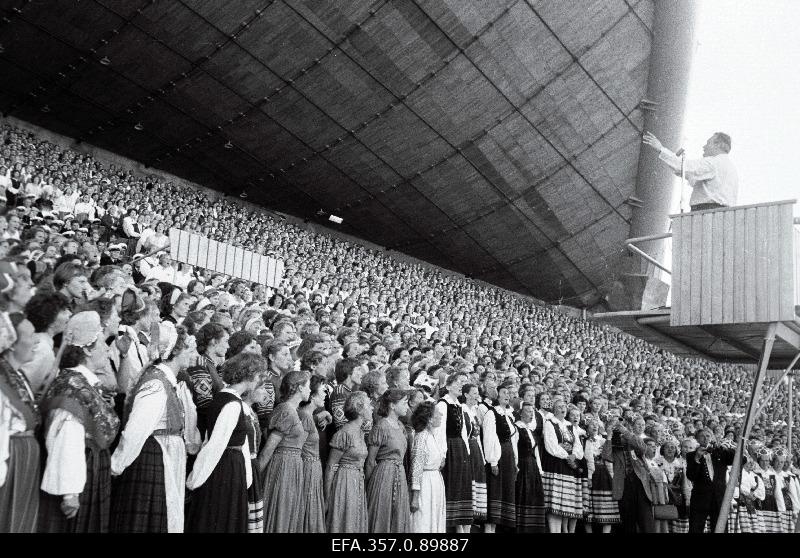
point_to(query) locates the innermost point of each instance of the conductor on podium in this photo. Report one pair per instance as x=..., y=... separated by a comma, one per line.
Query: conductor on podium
x=713, y=178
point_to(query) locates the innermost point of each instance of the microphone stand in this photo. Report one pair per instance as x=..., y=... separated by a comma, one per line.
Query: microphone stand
x=683, y=178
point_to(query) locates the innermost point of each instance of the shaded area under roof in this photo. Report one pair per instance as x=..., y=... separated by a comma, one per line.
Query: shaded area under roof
x=499, y=139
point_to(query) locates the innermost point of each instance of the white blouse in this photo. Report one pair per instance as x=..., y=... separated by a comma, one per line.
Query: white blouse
x=65, y=470
x=491, y=443
x=551, y=440
x=593, y=448
x=147, y=415
x=441, y=432
x=212, y=451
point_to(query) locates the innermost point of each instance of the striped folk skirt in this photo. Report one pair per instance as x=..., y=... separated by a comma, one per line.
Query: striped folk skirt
x=95, y=501
x=19, y=494
x=138, y=496
x=479, y=504
x=501, y=489
x=747, y=521
x=777, y=522
x=601, y=507
x=563, y=488
x=530, y=497
x=255, y=501
x=457, y=475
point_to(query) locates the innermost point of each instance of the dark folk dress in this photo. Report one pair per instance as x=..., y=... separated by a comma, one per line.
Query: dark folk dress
x=457, y=470
x=139, y=502
x=19, y=494
x=530, y=492
x=71, y=391
x=219, y=505
x=255, y=493
x=479, y=504
x=501, y=489
x=563, y=489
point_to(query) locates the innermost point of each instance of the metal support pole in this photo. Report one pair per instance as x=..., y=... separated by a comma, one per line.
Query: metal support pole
x=733, y=481
x=788, y=372
x=791, y=395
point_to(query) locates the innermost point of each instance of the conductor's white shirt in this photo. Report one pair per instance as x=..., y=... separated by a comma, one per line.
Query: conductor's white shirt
x=713, y=179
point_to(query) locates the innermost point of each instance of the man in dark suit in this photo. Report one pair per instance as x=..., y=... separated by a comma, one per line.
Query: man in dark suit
x=631, y=480
x=707, y=467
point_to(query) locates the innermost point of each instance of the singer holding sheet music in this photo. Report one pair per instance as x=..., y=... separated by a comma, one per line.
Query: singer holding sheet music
x=713, y=178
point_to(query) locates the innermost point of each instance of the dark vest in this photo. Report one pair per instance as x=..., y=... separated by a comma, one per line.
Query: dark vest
x=502, y=427
x=455, y=420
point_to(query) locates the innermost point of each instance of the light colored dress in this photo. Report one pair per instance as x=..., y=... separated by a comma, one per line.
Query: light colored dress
x=312, y=501
x=284, y=474
x=387, y=490
x=426, y=464
x=347, y=501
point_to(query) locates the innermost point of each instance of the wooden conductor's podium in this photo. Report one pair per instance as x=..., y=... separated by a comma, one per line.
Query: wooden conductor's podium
x=735, y=298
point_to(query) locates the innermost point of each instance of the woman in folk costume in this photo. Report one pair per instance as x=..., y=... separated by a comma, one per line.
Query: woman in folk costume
x=387, y=490
x=544, y=408
x=530, y=492
x=428, y=503
x=222, y=472
x=749, y=496
x=453, y=444
x=79, y=428
x=255, y=492
x=150, y=459
x=312, y=494
x=500, y=447
x=773, y=510
x=674, y=467
x=563, y=490
x=791, y=488
x=474, y=417
x=602, y=509
x=19, y=420
x=281, y=458
x=344, y=477
x=659, y=484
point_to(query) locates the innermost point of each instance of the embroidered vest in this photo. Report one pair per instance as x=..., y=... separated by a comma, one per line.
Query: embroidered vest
x=570, y=437
x=16, y=387
x=174, y=409
x=73, y=393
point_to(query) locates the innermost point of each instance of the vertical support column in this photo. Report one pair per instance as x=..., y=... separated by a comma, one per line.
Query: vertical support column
x=758, y=381
x=791, y=421
x=671, y=54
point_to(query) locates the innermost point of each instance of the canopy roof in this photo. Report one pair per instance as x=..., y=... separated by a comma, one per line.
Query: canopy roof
x=499, y=139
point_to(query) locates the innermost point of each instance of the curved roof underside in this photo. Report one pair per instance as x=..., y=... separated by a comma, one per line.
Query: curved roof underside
x=499, y=139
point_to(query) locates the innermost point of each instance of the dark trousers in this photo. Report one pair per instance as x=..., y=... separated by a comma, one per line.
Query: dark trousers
x=635, y=508
x=704, y=505
x=702, y=206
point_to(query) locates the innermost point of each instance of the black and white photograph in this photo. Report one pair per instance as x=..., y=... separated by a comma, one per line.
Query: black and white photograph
x=403, y=275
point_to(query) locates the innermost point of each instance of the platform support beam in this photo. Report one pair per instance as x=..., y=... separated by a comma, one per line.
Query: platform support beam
x=758, y=381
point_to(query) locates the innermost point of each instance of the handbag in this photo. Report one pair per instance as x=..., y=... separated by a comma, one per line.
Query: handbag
x=665, y=512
